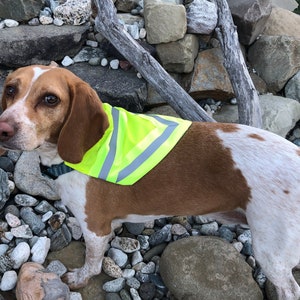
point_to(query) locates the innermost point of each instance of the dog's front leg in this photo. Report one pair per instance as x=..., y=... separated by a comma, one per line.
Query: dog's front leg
x=95, y=249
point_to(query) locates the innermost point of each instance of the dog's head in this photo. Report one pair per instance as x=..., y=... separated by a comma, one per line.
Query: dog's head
x=50, y=105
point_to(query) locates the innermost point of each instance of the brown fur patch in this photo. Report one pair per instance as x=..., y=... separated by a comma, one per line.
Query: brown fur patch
x=256, y=136
x=197, y=177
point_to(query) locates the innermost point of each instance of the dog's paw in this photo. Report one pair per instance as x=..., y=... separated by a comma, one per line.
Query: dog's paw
x=76, y=279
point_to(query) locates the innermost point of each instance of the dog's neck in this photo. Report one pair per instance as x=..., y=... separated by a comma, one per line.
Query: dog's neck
x=49, y=154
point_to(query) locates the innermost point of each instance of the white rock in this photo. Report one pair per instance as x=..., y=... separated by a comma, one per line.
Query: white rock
x=133, y=30
x=149, y=268
x=114, y=286
x=114, y=64
x=9, y=281
x=12, y=220
x=142, y=33
x=46, y=20
x=67, y=61
x=11, y=184
x=104, y=62
x=11, y=23
x=47, y=216
x=75, y=296
x=22, y=231
x=7, y=237
x=3, y=249
x=20, y=254
x=40, y=250
x=127, y=245
x=58, y=22
x=245, y=237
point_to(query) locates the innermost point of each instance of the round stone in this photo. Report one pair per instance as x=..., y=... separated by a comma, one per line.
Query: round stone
x=118, y=256
x=114, y=286
x=111, y=268
x=25, y=200
x=9, y=281
x=20, y=254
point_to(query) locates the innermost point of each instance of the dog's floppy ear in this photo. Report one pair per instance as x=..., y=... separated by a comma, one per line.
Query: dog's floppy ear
x=85, y=124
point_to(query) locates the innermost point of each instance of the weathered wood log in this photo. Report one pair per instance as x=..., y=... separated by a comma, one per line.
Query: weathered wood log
x=245, y=92
x=107, y=23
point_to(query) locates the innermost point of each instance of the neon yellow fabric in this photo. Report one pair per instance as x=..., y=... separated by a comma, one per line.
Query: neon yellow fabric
x=131, y=146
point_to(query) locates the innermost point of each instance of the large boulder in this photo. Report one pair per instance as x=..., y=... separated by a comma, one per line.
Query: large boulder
x=275, y=25
x=207, y=268
x=209, y=78
x=20, y=10
x=165, y=22
x=25, y=45
x=179, y=56
x=250, y=17
x=279, y=114
x=276, y=59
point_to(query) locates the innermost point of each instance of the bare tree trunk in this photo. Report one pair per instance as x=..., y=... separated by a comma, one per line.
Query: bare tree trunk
x=107, y=23
x=245, y=92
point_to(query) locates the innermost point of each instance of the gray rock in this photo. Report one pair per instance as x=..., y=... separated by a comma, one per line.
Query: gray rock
x=20, y=10
x=25, y=200
x=22, y=231
x=276, y=59
x=6, y=164
x=6, y=263
x=28, y=177
x=4, y=188
x=160, y=236
x=24, y=45
x=121, y=88
x=201, y=17
x=34, y=221
x=61, y=238
x=179, y=56
x=292, y=88
x=135, y=228
x=56, y=267
x=250, y=17
x=118, y=256
x=114, y=286
x=127, y=245
x=225, y=274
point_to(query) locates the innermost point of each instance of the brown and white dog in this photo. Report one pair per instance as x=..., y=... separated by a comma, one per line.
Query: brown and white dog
x=213, y=168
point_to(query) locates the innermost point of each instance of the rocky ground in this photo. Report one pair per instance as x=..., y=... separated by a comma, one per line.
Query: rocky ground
x=40, y=236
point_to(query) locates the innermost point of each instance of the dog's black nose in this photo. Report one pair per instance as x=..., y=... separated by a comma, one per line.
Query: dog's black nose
x=6, y=131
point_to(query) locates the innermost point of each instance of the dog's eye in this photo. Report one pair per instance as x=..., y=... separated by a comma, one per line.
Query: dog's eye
x=51, y=100
x=10, y=91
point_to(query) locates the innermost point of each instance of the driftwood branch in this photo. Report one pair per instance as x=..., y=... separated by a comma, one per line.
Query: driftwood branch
x=107, y=23
x=245, y=92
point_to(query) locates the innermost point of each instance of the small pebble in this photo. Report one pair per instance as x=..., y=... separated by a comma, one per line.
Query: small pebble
x=134, y=294
x=9, y=281
x=34, y=22
x=3, y=249
x=75, y=296
x=95, y=61
x=11, y=23
x=245, y=237
x=93, y=44
x=56, y=267
x=127, y=245
x=47, y=216
x=22, y=231
x=128, y=273
x=149, y=268
x=57, y=220
x=67, y=61
x=178, y=229
x=136, y=258
x=74, y=227
x=58, y=22
x=12, y=220
x=25, y=200
x=118, y=256
x=111, y=268
x=209, y=228
x=114, y=64
x=45, y=20
x=147, y=291
x=114, y=286
x=104, y=62
x=20, y=254
x=40, y=250
x=238, y=246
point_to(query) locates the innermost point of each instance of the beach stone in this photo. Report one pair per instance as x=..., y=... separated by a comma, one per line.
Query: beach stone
x=46, y=285
x=8, y=281
x=40, y=250
x=56, y=267
x=73, y=12
x=127, y=245
x=22, y=231
x=33, y=220
x=25, y=200
x=4, y=188
x=164, y=22
x=136, y=258
x=135, y=228
x=133, y=282
x=118, y=256
x=6, y=164
x=227, y=276
x=111, y=268
x=12, y=220
x=128, y=273
x=209, y=228
x=57, y=220
x=20, y=254
x=147, y=291
x=292, y=88
x=61, y=238
x=114, y=286
x=3, y=249
x=161, y=236
x=44, y=207
x=6, y=263
x=74, y=227
x=201, y=17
